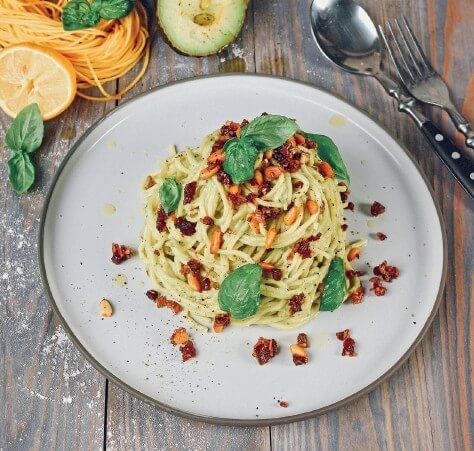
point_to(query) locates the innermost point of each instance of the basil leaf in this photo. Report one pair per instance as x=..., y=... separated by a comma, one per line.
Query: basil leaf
x=78, y=14
x=329, y=152
x=240, y=157
x=334, y=286
x=25, y=133
x=115, y=9
x=21, y=172
x=240, y=291
x=270, y=131
x=170, y=194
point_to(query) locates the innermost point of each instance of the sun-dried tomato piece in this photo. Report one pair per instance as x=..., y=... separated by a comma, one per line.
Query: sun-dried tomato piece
x=223, y=178
x=295, y=303
x=298, y=184
x=283, y=404
x=350, y=206
x=221, y=320
x=236, y=199
x=377, y=209
x=377, y=286
x=302, y=340
x=387, y=272
x=207, y=220
x=186, y=227
x=309, y=143
x=189, y=192
x=188, y=350
x=179, y=336
x=286, y=159
x=152, y=294
x=300, y=356
x=194, y=266
x=265, y=188
x=303, y=248
x=229, y=129
x=342, y=335
x=161, y=217
x=264, y=350
x=120, y=253
x=277, y=274
x=250, y=197
x=348, y=347
x=381, y=236
x=206, y=284
x=344, y=227
x=357, y=295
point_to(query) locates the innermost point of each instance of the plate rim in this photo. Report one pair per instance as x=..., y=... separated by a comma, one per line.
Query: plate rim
x=211, y=419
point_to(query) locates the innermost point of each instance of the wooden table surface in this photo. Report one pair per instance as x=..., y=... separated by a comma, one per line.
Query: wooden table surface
x=51, y=398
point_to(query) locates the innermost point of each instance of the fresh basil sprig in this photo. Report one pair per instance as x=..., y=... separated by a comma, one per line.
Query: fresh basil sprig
x=240, y=291
x=23, y=137
x=334, y=286
x=170, y=194
x=263, y=133
x=329, y=152
x=79, y=14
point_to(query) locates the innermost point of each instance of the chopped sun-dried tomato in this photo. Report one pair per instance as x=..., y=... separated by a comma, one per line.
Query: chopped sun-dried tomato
x=207, y=220
x=120, y=253
x=295, y=303
x=283, y=404
x=264, y=350
x=303, y=248
x=276, y=274
x=377, y=286
x=236, y=199
x=344, y=227
x=302, y=340
x=152, y=294
x=221, y=320
x=342, y=335
x=269, y=212
x=350, y=206
x=298, y=184
x=377, y=209
x=285, y=158
x=188, y=350
x=387, y=272
x=357, y=295
x=194, y=266
x=186, y=227
x=189, y=192
x=264, y=188
x=381, y=236
x=206, y=284
x=348, y=347
x=300, y=357
x=223, y=178
x=161, y=217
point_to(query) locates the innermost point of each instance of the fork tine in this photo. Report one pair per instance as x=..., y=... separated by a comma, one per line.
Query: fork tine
x=409, y=50
x=422, y=56
x=401, y=64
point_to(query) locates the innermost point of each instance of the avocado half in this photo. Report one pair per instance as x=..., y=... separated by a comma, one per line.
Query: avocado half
x=201, y=27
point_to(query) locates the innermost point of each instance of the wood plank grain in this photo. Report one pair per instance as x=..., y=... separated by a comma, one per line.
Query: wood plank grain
x=131, y=423
x=428, y=403
x=50, y=396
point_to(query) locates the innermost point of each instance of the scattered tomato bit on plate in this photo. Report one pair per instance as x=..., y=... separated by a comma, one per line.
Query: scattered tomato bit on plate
x=381, y=236
x=283, y=404
x=357, y=295
x=188, y=350
x=387, y=272
x=350, y=206
x=265, y=349
x=348, y=343
x=302, y=340
x=377, y=209
x=221, y=320
x=120, y=253
x=342, y=335
x=377, y=286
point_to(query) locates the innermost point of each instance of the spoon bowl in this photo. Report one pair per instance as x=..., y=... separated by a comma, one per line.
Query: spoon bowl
x=346, y=35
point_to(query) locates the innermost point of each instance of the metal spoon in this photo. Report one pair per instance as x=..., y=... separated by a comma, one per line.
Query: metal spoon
x=347, y=36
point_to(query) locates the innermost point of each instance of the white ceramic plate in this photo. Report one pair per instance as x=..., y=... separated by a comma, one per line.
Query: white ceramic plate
x=224, y=383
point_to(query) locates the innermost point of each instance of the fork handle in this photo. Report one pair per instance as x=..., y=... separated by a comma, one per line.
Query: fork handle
x=459, y=161
x=462, y=125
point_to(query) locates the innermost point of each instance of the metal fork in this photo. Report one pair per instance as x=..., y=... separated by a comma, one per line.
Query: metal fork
x=419, y=77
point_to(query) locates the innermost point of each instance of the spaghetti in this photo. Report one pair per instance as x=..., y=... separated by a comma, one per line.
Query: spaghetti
x=166, y=252
x=99, y=55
